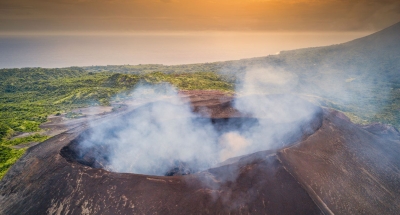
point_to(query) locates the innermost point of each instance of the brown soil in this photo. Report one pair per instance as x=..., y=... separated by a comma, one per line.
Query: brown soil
x=211, y=103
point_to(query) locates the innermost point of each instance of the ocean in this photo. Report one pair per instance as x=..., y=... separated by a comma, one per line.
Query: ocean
x=169, y=48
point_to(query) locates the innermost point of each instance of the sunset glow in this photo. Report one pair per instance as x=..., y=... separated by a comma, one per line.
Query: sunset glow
x=221, y=15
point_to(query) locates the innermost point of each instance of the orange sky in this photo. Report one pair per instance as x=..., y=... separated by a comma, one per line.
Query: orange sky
x=184, y=15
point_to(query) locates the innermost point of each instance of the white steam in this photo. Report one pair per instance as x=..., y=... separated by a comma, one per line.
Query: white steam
x=165, y=133
x=157, y=135
x=264, y=80
x=264, y=95
x=233, y=144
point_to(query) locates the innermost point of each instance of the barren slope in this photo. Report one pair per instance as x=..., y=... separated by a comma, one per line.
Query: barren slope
x=347, y=169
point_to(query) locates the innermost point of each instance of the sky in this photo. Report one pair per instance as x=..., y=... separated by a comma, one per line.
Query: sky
x=196, y=15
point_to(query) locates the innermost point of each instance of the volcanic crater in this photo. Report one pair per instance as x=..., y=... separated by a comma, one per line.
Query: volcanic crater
x=97, y=155
x=327, y=165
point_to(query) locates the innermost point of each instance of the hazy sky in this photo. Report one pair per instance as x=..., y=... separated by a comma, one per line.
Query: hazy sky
x=183, y=15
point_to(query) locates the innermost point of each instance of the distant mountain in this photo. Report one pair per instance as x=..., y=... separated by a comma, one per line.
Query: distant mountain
x=361, y=76
x=378, y=52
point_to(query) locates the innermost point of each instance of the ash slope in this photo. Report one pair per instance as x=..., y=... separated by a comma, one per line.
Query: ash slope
x=341, y=169
x=347, y=169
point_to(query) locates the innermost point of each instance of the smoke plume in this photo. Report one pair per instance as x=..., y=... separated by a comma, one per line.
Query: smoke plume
x=164, y=136
x=156, y=136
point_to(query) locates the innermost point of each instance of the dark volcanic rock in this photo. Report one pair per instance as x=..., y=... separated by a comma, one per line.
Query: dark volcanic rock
x=180, y=168
x=385, y=131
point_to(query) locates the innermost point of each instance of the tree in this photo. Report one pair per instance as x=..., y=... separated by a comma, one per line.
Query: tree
x=5, y=131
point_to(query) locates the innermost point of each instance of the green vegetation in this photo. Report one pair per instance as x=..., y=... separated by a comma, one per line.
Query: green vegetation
x=29, y=139
x=5, y=131
x=10, y=155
